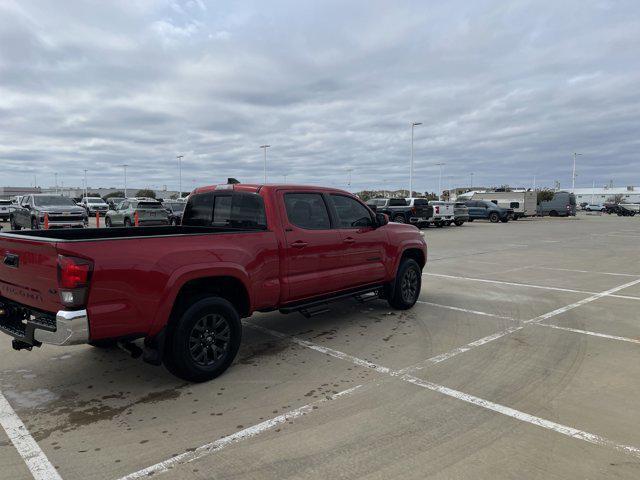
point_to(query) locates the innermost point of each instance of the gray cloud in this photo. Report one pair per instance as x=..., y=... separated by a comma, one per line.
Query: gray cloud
x=506, y=90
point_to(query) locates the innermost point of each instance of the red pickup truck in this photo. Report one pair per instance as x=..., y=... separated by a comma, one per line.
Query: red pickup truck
x=183, y=289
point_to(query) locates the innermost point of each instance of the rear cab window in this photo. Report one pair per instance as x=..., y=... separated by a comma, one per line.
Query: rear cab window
x=226, y=209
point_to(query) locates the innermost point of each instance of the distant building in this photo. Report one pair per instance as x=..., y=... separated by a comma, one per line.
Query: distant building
x=629, y=194
x=8, y=192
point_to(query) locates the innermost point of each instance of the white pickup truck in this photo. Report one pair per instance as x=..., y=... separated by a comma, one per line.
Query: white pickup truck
x=443, y=213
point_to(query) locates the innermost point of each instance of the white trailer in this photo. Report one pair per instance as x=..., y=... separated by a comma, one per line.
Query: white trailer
x=524, y=204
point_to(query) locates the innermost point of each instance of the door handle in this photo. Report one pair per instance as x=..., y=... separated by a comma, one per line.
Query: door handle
x=349, y=240
x=299, y=244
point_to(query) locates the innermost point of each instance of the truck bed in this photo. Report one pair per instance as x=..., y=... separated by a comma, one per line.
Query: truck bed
x=95, y=234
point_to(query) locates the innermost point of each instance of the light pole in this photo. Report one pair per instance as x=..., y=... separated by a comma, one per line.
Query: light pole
x=125, y=179
x=285, y=178
x=349, y=181
x=264, y=147
x=179, y=157
x=440, y=178
x=56, y=175
x=471, y=186
x=573, y=177
x=85, y=182
x=413, y=125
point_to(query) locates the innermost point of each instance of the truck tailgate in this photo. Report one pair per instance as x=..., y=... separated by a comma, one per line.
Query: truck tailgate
x=28, y=273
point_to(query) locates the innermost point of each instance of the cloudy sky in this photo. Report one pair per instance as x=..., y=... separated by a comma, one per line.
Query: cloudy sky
x=505, y=90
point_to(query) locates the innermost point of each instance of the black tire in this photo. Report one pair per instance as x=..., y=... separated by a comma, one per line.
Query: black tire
x=127, y=222
x=448, y=223
x=504, y=220
x=34, y=224
x=459, y=223
x=438, y=224
x=494, y=217
x=14, y=225
x=208, y=327
x=553, y=213
x=471, y=220
x=515, y=217
x=107, y=222
x=588, y=209
x=406, y=286
x=399, y=219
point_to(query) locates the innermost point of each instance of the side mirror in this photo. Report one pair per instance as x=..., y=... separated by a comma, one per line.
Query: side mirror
x=382, y=219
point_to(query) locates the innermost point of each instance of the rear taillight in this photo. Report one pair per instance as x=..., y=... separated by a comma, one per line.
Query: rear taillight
x=413, y=210
x=437, y=209
x=74, y=275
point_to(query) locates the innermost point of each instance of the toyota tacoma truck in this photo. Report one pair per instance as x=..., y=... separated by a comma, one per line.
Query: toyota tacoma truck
x=183, y=289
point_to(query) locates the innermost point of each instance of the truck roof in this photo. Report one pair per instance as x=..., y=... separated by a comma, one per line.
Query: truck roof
x=256, y=187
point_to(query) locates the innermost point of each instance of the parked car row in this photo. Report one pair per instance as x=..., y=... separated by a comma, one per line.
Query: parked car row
x=38, y=211
x=423, y=213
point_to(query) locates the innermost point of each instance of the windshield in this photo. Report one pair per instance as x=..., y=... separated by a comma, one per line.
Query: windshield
x=176, y=207
x=149, y=205
x=52, y=200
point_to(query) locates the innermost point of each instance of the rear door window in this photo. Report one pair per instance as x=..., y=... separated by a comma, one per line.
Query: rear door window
x=307, y=210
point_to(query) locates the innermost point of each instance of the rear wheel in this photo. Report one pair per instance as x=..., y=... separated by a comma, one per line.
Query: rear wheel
x=438, y=224
x=14, y=225
x=34, y=224
x=407, y=284
x=494, y=217
x=127, y=222
x=399, y=219
x=553, y=213
x=504, y=220
x=459, y=222
x=107, y=222
x=471, y=220
x=204, y=341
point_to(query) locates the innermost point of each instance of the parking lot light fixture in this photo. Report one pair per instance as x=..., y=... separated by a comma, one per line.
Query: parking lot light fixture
x=573, y=177
x=440, y=164
x=180, y=157
x=125, y=179
x=264, y=148
x=413, y=125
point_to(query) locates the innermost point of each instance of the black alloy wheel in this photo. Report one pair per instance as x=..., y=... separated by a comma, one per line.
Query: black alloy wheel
x=209, y=339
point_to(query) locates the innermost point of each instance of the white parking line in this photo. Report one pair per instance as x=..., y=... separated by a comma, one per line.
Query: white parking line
x=587, y=271
x=587, y=332
x=480, y=402
x=528, y=285
x=37, y=462
x=515, y=284
x=465, y=310
x=218, y=445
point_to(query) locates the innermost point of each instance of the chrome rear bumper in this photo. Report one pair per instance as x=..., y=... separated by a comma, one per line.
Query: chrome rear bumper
x=72, y=328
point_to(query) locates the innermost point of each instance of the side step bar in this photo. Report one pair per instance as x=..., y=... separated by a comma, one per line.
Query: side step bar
x=320, y=306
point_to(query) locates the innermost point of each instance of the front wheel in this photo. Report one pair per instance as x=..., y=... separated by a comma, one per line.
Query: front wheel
x=406, y=286
x=504, y=220
x=204, y=340
x=494, y=217
x=447, y=223
x=458, y=222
